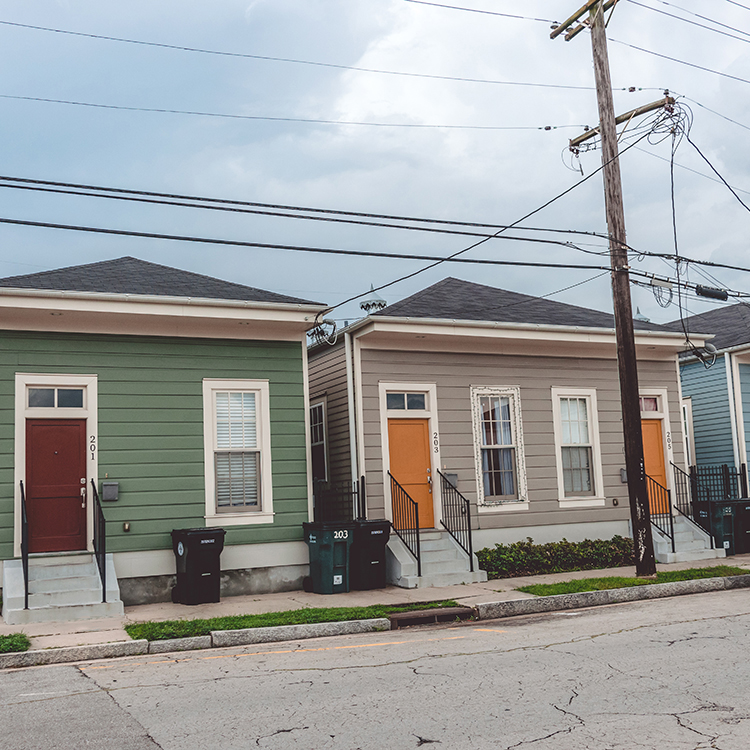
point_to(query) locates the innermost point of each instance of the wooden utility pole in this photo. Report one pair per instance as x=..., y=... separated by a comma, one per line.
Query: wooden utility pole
x=645, y=562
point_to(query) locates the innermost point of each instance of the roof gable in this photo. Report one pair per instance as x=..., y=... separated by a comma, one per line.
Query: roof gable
x=454, y=299
x=730, y=325
x=133, y=276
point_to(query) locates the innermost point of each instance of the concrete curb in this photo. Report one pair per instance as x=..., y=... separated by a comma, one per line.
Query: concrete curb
x=486, y=611
x=73, y=653
x=561, y=602
x=223, y=638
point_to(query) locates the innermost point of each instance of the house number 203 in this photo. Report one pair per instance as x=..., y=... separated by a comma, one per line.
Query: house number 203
x=343, y=534
x=435, y=443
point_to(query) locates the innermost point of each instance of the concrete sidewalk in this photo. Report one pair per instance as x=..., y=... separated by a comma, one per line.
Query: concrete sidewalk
x=92, y=632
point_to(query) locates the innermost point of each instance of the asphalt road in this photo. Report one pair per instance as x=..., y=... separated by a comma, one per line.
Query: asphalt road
x=668, y=674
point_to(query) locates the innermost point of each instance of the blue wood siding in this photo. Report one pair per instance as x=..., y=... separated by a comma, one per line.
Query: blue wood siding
x=745, y=391
x=712, y=426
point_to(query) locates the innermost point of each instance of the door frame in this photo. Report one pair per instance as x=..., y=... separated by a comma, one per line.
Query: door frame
x=431, y=415
x=666, y=431
x=88, y=412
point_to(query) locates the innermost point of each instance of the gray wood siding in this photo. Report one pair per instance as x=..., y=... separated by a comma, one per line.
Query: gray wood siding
x=327, y=368
x=454, y=374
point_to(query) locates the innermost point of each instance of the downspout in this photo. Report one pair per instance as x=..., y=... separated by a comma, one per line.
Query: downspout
x=732, y=412
x=351, y=409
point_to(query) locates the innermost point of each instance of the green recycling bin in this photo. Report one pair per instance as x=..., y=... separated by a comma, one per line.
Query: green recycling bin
x=329, y=545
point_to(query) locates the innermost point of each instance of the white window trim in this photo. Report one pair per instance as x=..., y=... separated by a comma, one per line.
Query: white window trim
x=89, y=412
x=514, y=392
x=584, y=501
x=321, y=401
x=263, y=426
x=686, y=419
x=431, y=414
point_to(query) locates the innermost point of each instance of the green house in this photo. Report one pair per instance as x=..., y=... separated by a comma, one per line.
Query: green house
x=169, y=400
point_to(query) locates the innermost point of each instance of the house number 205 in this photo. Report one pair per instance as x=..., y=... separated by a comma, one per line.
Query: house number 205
x=435, y=443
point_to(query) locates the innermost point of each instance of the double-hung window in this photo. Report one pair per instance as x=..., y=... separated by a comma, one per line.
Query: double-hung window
x=498, y=445
x=577, y=446
x=318, y=441
x=237, y=465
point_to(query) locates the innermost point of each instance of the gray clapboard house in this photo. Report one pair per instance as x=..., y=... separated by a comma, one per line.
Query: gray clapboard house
x=186, y=394
x=481, y=403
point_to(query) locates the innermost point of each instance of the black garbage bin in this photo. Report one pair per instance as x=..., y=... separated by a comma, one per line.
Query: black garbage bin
x=197, y=554
x=329, y=545
x=722, y=524
x=742, y=527
x=368, y=554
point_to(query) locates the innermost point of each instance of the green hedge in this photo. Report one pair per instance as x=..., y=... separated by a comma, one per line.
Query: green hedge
x=526, y=558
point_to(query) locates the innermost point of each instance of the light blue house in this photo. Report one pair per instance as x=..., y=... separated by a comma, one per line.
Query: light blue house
x=716, y=388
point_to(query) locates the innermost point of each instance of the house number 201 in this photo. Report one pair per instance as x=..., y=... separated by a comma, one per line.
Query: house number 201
x=92, y=446
x=435, y=443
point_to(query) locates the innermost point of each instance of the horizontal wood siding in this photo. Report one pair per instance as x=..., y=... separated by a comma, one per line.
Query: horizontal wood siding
x=745, y=392
x=328, y=380
x=535, y=376
x=712, y=427
x=151, y=427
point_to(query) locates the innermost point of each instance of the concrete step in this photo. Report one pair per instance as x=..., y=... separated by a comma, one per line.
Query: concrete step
x=448, y=566
x=61, y=587
x=440, y=555
x=703, y=554
x=49, y=585
x=443, y=579
x=64, y=614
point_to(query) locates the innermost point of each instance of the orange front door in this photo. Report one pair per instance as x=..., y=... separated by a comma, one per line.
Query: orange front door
x=653, y=459
x=409, y=450
x=55, y=481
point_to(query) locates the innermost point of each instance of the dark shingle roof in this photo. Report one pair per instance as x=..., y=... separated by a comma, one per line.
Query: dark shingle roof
x=454, y=299
x=730, y=325
x=133, y=276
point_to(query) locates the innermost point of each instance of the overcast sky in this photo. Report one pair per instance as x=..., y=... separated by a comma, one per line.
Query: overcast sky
x=485, y=175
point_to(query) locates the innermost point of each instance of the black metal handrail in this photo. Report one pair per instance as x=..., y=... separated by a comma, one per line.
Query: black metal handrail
x=406, y=520
x=660, y=504
x=25, y=548
x=456, y=516
x=100, y=540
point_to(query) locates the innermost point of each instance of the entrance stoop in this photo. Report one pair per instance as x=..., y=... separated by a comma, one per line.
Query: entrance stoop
x=61, y=587
x=444, y=563
x=690, y=542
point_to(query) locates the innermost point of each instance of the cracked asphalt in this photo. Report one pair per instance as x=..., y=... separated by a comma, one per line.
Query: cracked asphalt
x=672, y=674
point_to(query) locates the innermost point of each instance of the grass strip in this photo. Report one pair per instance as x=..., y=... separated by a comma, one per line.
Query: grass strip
x=621, y=582
x=14, y=642
x=161, y=631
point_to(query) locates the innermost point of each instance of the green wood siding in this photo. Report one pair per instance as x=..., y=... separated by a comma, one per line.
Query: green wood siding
x=151, y=427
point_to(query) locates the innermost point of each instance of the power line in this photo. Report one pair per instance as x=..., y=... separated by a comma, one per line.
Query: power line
x=269, y=58
x=714, y=112
x=694, y=171
x=296, y=248
x=286, y=207
x=716, y=172
x=739, y=5
x=510, y=226
x=485, y=12
x=286, y=215
x=681, y=62
x=705, y=18
x=687, y=20
x=314, y=121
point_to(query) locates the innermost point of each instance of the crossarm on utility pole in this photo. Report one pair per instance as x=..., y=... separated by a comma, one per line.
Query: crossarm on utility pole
x=667, y=101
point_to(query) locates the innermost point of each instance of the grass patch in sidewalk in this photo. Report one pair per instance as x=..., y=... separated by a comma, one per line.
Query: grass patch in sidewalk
x=621, y=582
x=13, y=643
x=161, y=631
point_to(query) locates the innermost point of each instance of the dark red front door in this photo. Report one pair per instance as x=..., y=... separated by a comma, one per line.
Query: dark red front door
x=55, y=476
